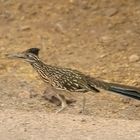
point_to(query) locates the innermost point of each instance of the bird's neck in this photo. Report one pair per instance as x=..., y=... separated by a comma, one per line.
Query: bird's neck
x=37, y=65
x=42, y=69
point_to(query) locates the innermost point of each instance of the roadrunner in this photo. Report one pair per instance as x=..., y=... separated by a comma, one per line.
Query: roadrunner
x=71, y=80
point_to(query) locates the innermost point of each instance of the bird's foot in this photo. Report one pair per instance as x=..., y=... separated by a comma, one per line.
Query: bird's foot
x=62, y=108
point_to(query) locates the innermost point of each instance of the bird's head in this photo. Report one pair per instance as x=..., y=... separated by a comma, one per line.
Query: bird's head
x=30, y=55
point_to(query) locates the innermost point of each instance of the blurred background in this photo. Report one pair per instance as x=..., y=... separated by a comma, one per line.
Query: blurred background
x=96, y=37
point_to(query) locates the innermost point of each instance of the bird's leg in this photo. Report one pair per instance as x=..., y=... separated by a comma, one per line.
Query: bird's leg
x=84, y=102
x=63, y=103
x=59, y=96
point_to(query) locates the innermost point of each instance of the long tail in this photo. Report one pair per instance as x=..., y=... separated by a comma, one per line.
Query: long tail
x=130, y=91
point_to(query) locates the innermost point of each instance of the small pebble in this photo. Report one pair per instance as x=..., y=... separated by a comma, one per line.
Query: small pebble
x=25, y=28
x=134, y=58
x=83, y=120
x=71, y=1
x=59, y=27
x=1, y=66
x=24, y=94
x=111, y=12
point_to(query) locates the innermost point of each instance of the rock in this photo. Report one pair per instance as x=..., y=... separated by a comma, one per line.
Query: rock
x=126, y=100
x=59, y=27
x=103, y=55
x=24, y=94
x=25, y=28
x=134, y=58
x=1, y=66
x=111, y=12
x=106, y=39
x=136, y=104
x=33, y=95
x=83, y=120
x=71, y=1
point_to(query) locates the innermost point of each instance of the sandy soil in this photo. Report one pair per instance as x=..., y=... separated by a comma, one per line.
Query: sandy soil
x=100, y=38
x=23, y=125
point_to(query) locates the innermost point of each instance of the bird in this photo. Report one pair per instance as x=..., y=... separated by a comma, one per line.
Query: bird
x=71, y=80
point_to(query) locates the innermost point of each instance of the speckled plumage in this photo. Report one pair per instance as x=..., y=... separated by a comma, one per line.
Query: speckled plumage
x=63, y=78
x=72, y=80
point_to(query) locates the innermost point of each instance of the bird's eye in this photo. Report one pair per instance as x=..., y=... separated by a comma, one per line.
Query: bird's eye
x=29, y=55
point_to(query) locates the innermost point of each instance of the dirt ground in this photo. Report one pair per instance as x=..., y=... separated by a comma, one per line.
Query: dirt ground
x=99, y=38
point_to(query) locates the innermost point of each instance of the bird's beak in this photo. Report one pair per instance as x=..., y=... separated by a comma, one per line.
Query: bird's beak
x=16, y=55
